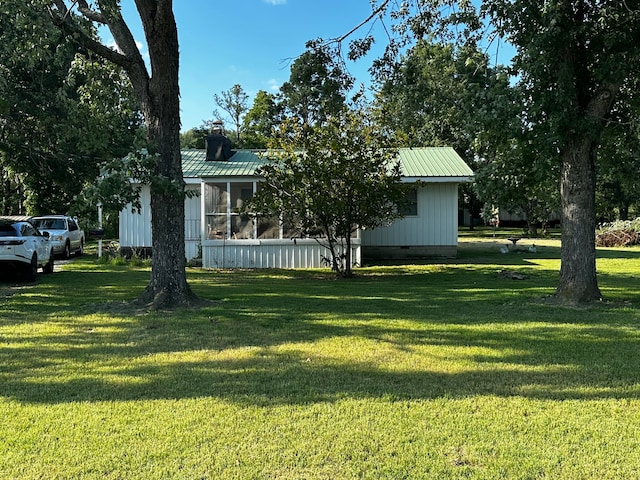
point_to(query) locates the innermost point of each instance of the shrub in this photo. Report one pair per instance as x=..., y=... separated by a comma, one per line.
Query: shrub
x=621, y=233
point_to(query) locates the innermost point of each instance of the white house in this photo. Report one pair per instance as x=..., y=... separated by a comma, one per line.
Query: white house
x=224, y=239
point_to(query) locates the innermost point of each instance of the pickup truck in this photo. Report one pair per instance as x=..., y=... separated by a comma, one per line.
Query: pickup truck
x=65, y=236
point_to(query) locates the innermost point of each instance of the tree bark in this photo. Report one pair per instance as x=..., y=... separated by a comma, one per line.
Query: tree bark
x=168, y=287
x=159, y=98
x=578, y=281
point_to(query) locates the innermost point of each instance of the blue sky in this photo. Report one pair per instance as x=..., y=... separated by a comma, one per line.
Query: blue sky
x=248, y=42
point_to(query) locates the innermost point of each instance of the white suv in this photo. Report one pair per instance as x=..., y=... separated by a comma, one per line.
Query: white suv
x=23, y=248
x=64, y=233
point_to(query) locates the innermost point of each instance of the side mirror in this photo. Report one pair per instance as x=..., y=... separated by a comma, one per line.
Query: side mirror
x=46, y=235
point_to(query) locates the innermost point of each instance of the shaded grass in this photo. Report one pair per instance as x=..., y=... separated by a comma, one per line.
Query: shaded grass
x=419, y=371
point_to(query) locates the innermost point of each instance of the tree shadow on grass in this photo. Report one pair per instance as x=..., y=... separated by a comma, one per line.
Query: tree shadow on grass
x=263, y=342
x=269, y=377
x=263, y=346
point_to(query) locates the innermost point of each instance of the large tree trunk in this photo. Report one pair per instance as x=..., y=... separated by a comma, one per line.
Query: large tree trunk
x=578, y=282
x=159, y=97
x=168, y=287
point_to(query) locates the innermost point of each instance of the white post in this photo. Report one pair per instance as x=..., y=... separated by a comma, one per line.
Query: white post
x=100, y=227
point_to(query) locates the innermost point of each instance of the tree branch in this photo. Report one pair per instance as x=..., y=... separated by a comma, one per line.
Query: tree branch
x=90, y=14
x=62, y=18
x=128, y=58
x=600, y=104
x=376, y=12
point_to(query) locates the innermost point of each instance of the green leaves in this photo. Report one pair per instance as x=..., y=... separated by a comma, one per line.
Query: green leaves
x=317, y=85
x=330, y=180
x=62, y=112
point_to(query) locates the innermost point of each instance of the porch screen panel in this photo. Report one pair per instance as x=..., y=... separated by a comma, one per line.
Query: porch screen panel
x=241, y=225
x=268, y=227
x=215, y=207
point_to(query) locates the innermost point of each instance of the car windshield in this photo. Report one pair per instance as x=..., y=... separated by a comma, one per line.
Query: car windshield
x=7, y=231
x=52, y=223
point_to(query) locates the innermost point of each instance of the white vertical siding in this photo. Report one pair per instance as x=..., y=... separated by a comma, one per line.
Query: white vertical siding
x=269, y=254
x=192, y=227
x=192, y=222
x=435, y=225
x=135, y=228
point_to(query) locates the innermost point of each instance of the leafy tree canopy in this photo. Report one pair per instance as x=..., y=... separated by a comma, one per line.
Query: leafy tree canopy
x=63, y=113
x=261, y=120
x=327, y=181
x=317, y=85
x=618, y=187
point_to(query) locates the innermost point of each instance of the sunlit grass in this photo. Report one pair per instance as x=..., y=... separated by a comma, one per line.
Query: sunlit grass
x=448, y=370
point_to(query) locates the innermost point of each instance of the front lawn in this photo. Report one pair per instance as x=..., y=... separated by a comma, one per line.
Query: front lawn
x=452, y=370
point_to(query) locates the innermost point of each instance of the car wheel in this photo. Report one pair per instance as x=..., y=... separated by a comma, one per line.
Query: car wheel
x=48, y=268
x=32, y=269
x=80, y=251
x=67, y=251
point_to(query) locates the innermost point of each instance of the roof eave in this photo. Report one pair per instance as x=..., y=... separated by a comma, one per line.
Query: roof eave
x=438, y=179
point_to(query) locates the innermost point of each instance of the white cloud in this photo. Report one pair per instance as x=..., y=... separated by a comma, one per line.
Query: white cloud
x=275, y=2
x=273, y=85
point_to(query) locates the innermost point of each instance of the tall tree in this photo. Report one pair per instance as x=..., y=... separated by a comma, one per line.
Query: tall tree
x=235, y=103
x=317, y=85
x=572, y=57
x=261, y=120
x=158, y=94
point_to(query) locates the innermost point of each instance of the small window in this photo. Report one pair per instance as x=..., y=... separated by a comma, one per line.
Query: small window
x=7, y=231
x=410, y=207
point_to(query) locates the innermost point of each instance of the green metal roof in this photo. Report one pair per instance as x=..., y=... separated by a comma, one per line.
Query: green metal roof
x=242, y=164
x=442, y=162
x=420, y=163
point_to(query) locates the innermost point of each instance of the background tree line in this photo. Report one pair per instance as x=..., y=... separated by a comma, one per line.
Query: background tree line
x=439, y=94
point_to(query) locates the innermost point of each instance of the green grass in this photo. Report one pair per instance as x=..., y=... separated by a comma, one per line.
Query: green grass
x=409, y=371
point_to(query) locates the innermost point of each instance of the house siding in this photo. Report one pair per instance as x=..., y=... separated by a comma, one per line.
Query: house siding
x=434, y=231
x=135, y=227
x=284, y=253
x=192, y=235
